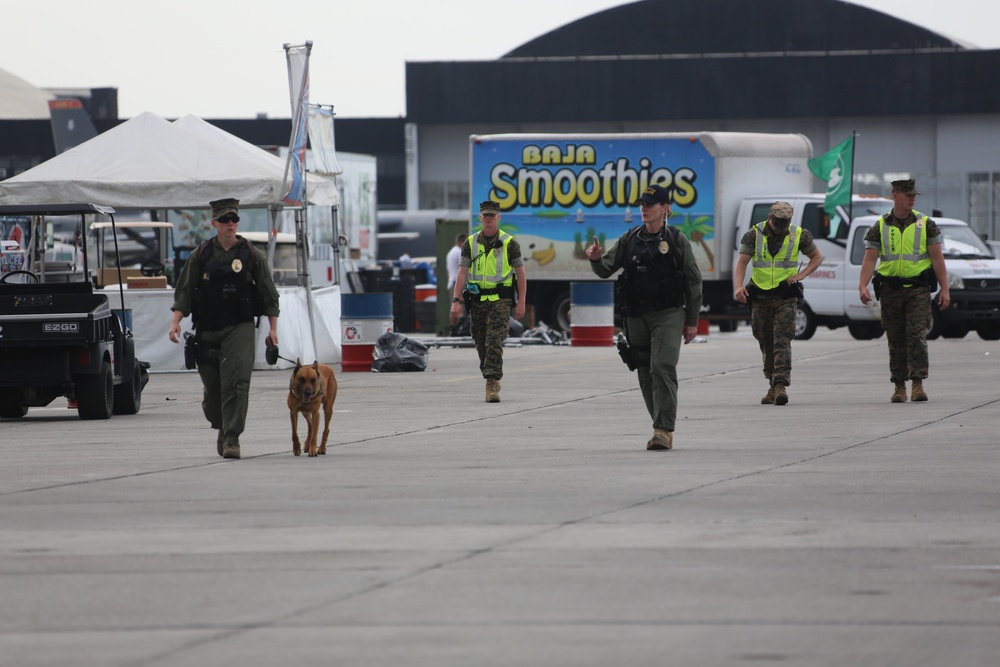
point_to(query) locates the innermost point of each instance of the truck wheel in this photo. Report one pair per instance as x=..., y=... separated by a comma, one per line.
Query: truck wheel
x=128, y=395
x=865, y=330
x=935, y=329
x=990, y=331
x=805, y=322
x=95, y=394
x=10, y=405
x=560, y=312
x=954, y=331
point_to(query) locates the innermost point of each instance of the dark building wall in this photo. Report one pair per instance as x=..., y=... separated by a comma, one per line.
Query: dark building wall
x=744, y=86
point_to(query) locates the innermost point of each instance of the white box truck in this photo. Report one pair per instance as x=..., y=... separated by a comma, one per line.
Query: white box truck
x=558, y=191
x=831, y=293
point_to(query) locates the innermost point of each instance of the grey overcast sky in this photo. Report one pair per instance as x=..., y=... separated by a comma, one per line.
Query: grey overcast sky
x=224, y=58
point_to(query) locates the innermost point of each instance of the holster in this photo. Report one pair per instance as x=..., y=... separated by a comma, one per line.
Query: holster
x=627, y=353
x=190, y=351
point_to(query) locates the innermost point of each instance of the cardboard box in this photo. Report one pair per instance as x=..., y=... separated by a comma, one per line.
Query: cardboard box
x=146, y=282
x=107, y=276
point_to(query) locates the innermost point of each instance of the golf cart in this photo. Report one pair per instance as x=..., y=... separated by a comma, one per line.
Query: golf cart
x=64, y=339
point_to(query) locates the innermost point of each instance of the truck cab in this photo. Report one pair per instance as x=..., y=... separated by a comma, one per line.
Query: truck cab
x=831, y=293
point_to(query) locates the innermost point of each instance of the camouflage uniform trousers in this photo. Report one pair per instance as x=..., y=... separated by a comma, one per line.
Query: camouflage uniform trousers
x=225, y=363
x=489, y=328
x=773, y=324
x=656, y=336
x=906, y=317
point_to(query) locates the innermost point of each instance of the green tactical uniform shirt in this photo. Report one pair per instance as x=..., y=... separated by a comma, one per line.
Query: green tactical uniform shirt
x=614, y=259
x=267, y=293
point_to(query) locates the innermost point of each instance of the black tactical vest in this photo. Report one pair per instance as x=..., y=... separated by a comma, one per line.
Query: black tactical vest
x=654, y=278
x=224, y=296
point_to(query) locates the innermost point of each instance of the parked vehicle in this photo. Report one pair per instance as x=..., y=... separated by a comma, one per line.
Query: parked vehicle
x=64, y=338
x=831, y=293
x=558, y=191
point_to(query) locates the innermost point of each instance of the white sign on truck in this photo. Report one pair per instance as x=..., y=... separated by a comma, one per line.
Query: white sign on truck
x=557, y=191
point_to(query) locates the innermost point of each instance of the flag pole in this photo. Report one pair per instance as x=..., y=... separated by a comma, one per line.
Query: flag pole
x=850, y=201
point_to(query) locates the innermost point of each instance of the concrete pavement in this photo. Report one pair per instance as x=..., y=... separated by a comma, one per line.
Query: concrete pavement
x=440, y=530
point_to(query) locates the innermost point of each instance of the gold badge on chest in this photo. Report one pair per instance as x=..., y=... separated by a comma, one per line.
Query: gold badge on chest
x=664, y=247
x=237, y=266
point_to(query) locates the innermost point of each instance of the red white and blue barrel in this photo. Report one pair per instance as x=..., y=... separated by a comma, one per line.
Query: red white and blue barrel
x=592, y=314
x=363, y=318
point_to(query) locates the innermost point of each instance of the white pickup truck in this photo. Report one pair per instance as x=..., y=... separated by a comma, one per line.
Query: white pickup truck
x=831, y=293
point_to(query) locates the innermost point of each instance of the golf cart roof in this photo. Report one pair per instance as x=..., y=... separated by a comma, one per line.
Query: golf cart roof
x=56, y=209
x=139, y=224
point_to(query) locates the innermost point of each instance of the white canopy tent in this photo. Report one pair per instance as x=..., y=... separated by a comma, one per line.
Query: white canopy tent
x=322, y=191
x=149, y=163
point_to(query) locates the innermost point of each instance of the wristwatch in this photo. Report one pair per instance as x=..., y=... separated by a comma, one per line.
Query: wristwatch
x=455, y=300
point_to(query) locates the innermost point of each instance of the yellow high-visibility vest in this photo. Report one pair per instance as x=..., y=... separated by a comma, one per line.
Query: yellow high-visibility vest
x=903, y=252
x=490, y=269
x=770, y=271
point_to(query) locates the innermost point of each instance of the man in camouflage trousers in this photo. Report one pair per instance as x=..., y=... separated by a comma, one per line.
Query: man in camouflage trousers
x=774, y=290
x=489, y=263
x=907, y=246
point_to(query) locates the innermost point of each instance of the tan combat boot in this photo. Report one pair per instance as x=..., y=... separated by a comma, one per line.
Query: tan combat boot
x=662, y=439
x=493, y=391
x=899, y=394
x=780, y=395
x=231, y=452
x=768, y=397
x=917, y=392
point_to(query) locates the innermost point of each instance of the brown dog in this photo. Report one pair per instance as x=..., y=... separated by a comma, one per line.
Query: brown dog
x=310, y=387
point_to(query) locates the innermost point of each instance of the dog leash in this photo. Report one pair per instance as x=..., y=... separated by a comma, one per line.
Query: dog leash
x=271, y=356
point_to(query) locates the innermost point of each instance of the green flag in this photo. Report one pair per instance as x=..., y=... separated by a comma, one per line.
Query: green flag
x=836, y=168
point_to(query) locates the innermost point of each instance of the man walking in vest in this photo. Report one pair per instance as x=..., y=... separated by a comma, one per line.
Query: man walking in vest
x=907, y=246
x=774, y=290
x=225, y=284
x=487, y=269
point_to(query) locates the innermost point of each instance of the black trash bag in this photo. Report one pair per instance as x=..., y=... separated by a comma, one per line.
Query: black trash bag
x=394, y=352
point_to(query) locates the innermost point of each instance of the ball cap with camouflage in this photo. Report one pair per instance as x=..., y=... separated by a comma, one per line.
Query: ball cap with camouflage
x=907, y=186
x=489, y=205
x=654, y=194
x=781, y=210
x=221, y=207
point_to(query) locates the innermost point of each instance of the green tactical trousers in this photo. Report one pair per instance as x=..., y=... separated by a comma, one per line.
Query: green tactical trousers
x=225, y=363
x=657, y=336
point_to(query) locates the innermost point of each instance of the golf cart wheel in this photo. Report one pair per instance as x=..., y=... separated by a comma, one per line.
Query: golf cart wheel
x=128, y=395
x=95, y=394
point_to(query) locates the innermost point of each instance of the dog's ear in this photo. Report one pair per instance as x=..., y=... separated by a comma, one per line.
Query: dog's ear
x=316, y=365
x=298, y=364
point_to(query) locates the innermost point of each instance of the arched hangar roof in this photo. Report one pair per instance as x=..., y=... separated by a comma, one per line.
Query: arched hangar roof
x=662, y=60
x=730, y=26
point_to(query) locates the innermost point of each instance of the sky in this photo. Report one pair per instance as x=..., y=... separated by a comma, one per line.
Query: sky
x=225, y=58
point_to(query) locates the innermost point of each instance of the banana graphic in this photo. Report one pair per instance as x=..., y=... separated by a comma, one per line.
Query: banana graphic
x=543, y=257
